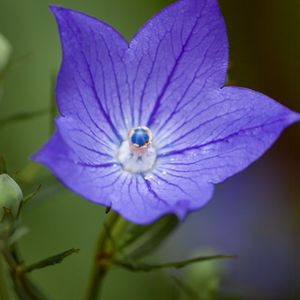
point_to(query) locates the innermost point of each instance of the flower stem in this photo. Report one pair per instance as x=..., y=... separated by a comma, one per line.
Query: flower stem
x=104, y=251
x=5, y=291
x=22, y=284
x=96, y=283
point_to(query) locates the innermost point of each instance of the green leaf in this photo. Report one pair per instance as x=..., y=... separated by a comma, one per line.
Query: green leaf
x=50, y=261
x=142, y=240
x=141, y=267
x=206, y=277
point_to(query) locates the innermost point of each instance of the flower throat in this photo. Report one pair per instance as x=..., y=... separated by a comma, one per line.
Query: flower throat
x=137, y=154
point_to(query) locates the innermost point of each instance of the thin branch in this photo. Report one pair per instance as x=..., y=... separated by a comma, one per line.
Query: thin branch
x=141, y=267
x=50, y=261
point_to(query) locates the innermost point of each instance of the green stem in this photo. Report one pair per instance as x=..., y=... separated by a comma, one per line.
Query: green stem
x=95, y=287
x=101, y=262
x=142, y=267
x=23, y=286
x=5, y=292
x=21, y=283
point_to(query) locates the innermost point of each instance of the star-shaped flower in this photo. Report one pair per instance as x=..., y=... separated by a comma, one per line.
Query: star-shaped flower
x=148, y=128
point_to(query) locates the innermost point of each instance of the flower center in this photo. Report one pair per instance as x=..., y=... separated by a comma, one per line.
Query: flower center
x=137, y=154
x=140, y=139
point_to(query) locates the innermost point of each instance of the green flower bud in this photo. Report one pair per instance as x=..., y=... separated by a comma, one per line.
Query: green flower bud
x=5, y=51
x=10, y=195
x=204, y=277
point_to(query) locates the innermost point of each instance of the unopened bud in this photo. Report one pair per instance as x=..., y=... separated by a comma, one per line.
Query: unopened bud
x=10, y=196
x=5, y=51
x=204, y=277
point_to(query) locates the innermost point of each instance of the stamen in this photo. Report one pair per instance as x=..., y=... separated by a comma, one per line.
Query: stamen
x=140, y=138
x=137, y=154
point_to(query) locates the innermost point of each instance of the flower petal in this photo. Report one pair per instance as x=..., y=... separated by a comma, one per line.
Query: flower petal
x=89, y=147
x=143, y=199
x=177, y=54
x=90, y=181
x=91, y=85
x=139, y=199
x=230, y=129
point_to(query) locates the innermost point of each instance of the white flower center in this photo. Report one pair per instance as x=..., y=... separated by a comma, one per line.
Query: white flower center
x=137, y=154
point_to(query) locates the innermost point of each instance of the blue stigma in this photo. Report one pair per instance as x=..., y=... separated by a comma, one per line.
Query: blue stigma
x=140, y=137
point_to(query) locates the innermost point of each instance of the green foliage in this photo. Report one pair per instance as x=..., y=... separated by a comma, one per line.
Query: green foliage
x=138, y=241
x=50, y=261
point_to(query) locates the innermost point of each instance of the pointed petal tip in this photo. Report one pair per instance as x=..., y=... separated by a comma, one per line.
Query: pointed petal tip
x=59, y=10
x=295, y=117
x=34, y=157
x=292, y=117
x=55, y=9
x=37, y=157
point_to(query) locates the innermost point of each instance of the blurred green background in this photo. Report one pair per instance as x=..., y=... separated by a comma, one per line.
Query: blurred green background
x=256, y=214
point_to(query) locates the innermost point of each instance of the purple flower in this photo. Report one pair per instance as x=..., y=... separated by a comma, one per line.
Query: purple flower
x=148, y=127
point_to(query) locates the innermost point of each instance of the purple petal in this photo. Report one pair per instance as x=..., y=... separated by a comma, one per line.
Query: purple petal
x=174, y=57
x=89, y=147
x=140, y=199
x=143, y=199
x=230, y=129
x=92, y=83
x=90, y=181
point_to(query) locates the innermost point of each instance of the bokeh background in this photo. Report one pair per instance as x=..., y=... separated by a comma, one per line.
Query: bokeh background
x=255, y=214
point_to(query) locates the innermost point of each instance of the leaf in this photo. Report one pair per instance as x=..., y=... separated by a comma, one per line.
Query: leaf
x=50, y=261
x=145, y=239
x=22, y=117
x=141, y=267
